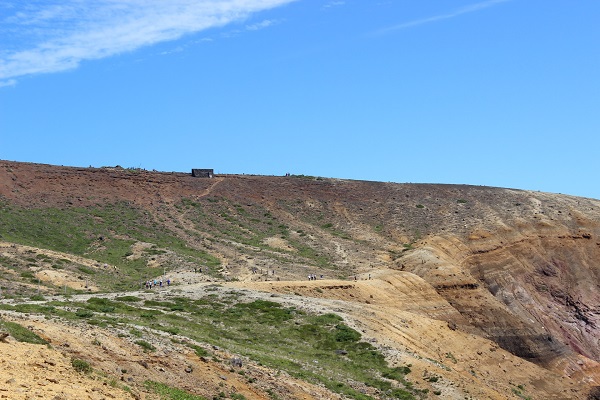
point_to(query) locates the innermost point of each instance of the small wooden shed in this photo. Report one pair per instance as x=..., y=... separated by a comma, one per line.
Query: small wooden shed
x=202, y=173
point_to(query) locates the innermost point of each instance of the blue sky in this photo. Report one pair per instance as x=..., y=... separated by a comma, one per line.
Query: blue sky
x=493, y=92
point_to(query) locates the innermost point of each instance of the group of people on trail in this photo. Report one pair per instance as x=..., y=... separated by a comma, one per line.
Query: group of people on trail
x=313, y=277
x=156, y=282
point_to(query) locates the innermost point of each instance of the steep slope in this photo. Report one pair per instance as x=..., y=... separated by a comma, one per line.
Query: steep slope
x=495, y=267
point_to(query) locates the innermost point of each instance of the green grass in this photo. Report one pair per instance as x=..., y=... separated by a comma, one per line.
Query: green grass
x=81, y=365
x=20, y=334
x=132, y=299
x=103, y=233
x=200, y=351
x=145, y=345
x=320, y=349
x=170, y=393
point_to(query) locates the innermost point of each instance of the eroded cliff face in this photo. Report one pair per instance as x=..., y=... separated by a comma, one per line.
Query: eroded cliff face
x=528, y=282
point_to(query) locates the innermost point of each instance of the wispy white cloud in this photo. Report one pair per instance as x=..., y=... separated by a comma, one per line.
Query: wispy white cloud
x=10, y=82
x=334, y=3
x=57, y=35
x=464, y=10
x=261, y=25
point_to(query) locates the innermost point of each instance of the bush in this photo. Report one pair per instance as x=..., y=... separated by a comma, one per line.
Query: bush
x=346, y=334
x=80, y=365
x=145, y=345
x=200, y=351
x=83, y=313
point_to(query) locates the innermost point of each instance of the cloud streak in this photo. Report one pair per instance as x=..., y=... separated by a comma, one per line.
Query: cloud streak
x=337, y=3
x=261, y=25
x=10, y=82
x=464, y=10
x=53, y=36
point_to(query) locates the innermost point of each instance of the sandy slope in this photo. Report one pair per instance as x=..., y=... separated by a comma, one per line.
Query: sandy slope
x=404, y=316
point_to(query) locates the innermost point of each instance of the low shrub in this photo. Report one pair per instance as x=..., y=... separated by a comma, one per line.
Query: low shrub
x=81, y=365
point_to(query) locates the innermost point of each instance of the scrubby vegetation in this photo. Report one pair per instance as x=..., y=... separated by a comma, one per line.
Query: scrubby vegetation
x=316, y=348
x=20, y=333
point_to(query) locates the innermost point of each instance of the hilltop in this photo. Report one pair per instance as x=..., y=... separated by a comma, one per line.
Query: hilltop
x=433, y=291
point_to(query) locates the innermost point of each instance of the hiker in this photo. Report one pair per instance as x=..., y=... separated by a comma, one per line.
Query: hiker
x=168, y=281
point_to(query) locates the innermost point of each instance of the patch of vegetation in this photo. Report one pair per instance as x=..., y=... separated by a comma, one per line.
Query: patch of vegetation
x=305, y=251
x=170, y=393
x=170, y=329
x=83, y=313
x=27, y=274
x=101, y=304
x=329, y=226
x=19, y=333
x=86, y=270
x=451, y=357
x=128, y=299
x=154, y=252
x=81, y=365
x=136, y=333
x=320, y=349
x=200, y=351
x=519, y=391
x=145, y=345
x=104, y=233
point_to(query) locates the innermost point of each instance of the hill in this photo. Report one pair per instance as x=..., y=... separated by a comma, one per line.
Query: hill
x=419, y=290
